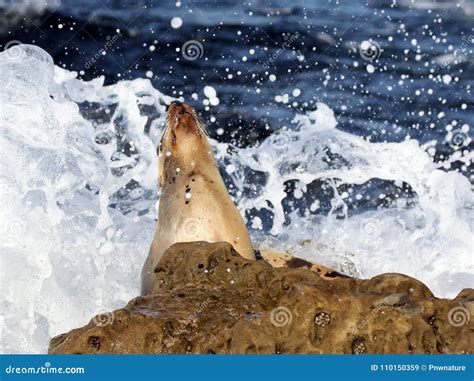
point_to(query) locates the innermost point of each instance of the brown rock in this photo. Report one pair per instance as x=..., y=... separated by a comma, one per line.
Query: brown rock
x=208, y=299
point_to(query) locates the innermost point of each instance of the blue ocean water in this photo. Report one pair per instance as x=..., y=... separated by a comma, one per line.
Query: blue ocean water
x=269, y=59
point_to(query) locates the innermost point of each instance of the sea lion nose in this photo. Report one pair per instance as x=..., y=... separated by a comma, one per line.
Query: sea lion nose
x=177, y=103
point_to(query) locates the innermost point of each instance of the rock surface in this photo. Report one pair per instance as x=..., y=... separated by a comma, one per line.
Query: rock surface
x=208, y=299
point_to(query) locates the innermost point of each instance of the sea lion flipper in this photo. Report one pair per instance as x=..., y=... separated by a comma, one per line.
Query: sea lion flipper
x=284, y=259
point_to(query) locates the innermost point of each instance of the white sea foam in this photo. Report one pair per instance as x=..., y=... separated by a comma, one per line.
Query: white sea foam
x=65, y=254
x=73, y=239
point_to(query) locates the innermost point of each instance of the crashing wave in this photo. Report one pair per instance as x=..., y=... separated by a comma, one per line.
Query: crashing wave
x=78, y=194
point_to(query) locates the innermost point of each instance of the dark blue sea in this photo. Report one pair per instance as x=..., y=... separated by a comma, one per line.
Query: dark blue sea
x=391, y=70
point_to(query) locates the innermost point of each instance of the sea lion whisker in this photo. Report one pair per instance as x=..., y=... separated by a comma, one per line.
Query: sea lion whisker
x=201, y=126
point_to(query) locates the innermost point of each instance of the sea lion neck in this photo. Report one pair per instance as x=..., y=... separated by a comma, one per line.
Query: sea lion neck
x=176, y=170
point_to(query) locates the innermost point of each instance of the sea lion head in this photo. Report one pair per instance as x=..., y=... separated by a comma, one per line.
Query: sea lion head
x=184, y=146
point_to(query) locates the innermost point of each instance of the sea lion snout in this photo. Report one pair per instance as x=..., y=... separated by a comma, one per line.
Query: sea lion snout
x=183, y=118
x=173, y=103
x=183, y=143
x=178, y=108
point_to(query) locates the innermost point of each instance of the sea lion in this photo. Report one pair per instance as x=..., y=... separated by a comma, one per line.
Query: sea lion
x=280, y=259
x=194, y=203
